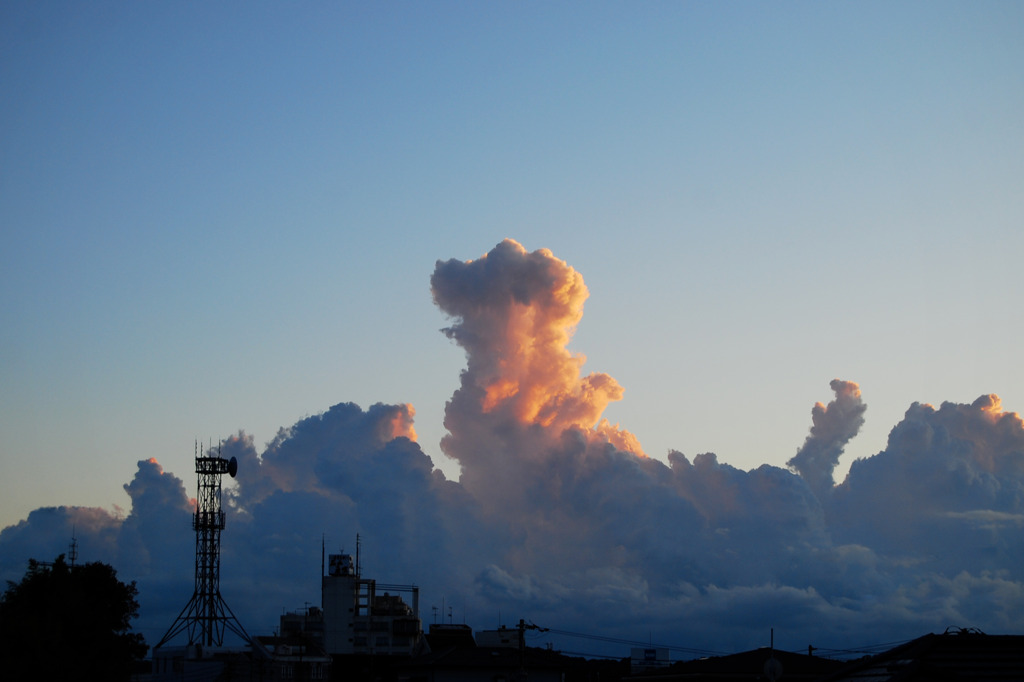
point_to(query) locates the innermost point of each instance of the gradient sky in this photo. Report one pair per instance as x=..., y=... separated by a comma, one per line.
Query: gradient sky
x=225, y=217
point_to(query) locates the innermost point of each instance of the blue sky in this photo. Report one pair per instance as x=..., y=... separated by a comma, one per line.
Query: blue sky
x=223, y=218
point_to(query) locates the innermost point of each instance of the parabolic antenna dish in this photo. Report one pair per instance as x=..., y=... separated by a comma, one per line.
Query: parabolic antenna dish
x=232, y=466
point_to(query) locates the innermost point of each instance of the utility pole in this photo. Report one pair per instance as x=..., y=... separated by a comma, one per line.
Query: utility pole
x=523, y=627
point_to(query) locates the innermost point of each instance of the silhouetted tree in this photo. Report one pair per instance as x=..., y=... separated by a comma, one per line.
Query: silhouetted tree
x=66, y=622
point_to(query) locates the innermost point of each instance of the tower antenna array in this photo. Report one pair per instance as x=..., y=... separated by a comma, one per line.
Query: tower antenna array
x=206, y=615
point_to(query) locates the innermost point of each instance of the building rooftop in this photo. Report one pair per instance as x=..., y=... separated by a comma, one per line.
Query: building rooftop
x=759, y=664
x=952, y=655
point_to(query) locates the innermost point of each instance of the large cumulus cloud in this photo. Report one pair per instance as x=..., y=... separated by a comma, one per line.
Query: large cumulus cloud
x=948, y=486
x=560, y=517
x=833, y=426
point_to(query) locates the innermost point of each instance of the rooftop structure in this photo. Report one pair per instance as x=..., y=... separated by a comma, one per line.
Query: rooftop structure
x=362, y=616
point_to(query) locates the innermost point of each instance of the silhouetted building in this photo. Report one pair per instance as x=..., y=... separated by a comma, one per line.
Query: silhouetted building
x=362, y=616
x=759, y=664
x=493, y=664
x=452, y=654
x=953, y=655
x=309, y=622
x=502, y=637
x=289, y=658
x=196, y=662
x=643, y=660
x=449, y=635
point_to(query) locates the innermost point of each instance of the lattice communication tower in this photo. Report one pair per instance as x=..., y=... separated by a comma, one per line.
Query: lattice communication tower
x=206, y=616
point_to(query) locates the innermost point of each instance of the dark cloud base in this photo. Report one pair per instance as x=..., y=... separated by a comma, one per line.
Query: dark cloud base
x=560, y=518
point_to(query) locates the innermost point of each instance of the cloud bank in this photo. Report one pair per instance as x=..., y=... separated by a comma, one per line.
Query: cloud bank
x=560, y=518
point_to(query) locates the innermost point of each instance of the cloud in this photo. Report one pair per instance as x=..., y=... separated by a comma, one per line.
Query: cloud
x=47, y=532
x=514, y=314
x=559, y=517
x=833, y=426
x=946, y=485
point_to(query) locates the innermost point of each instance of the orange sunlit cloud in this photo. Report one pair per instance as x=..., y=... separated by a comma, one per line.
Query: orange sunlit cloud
x=401, y=424
x=517, y=312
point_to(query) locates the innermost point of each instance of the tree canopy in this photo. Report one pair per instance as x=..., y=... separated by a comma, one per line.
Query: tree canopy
x=69, y=622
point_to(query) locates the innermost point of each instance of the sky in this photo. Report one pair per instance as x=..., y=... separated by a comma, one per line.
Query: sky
x=248, y=221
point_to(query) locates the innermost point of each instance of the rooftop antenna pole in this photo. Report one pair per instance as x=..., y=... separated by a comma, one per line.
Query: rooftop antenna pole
x=772, y=667
x=359, y=566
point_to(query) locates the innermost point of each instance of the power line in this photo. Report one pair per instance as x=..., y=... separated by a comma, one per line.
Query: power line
x=860, y=650
x=588, y=655
x=821, y=651
x=636, y=643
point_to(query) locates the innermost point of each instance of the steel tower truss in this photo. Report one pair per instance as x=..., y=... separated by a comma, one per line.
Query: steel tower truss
x=207, y=616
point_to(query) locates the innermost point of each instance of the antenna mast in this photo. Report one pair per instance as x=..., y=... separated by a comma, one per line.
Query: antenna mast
x=206, y=615
x=73, y=549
